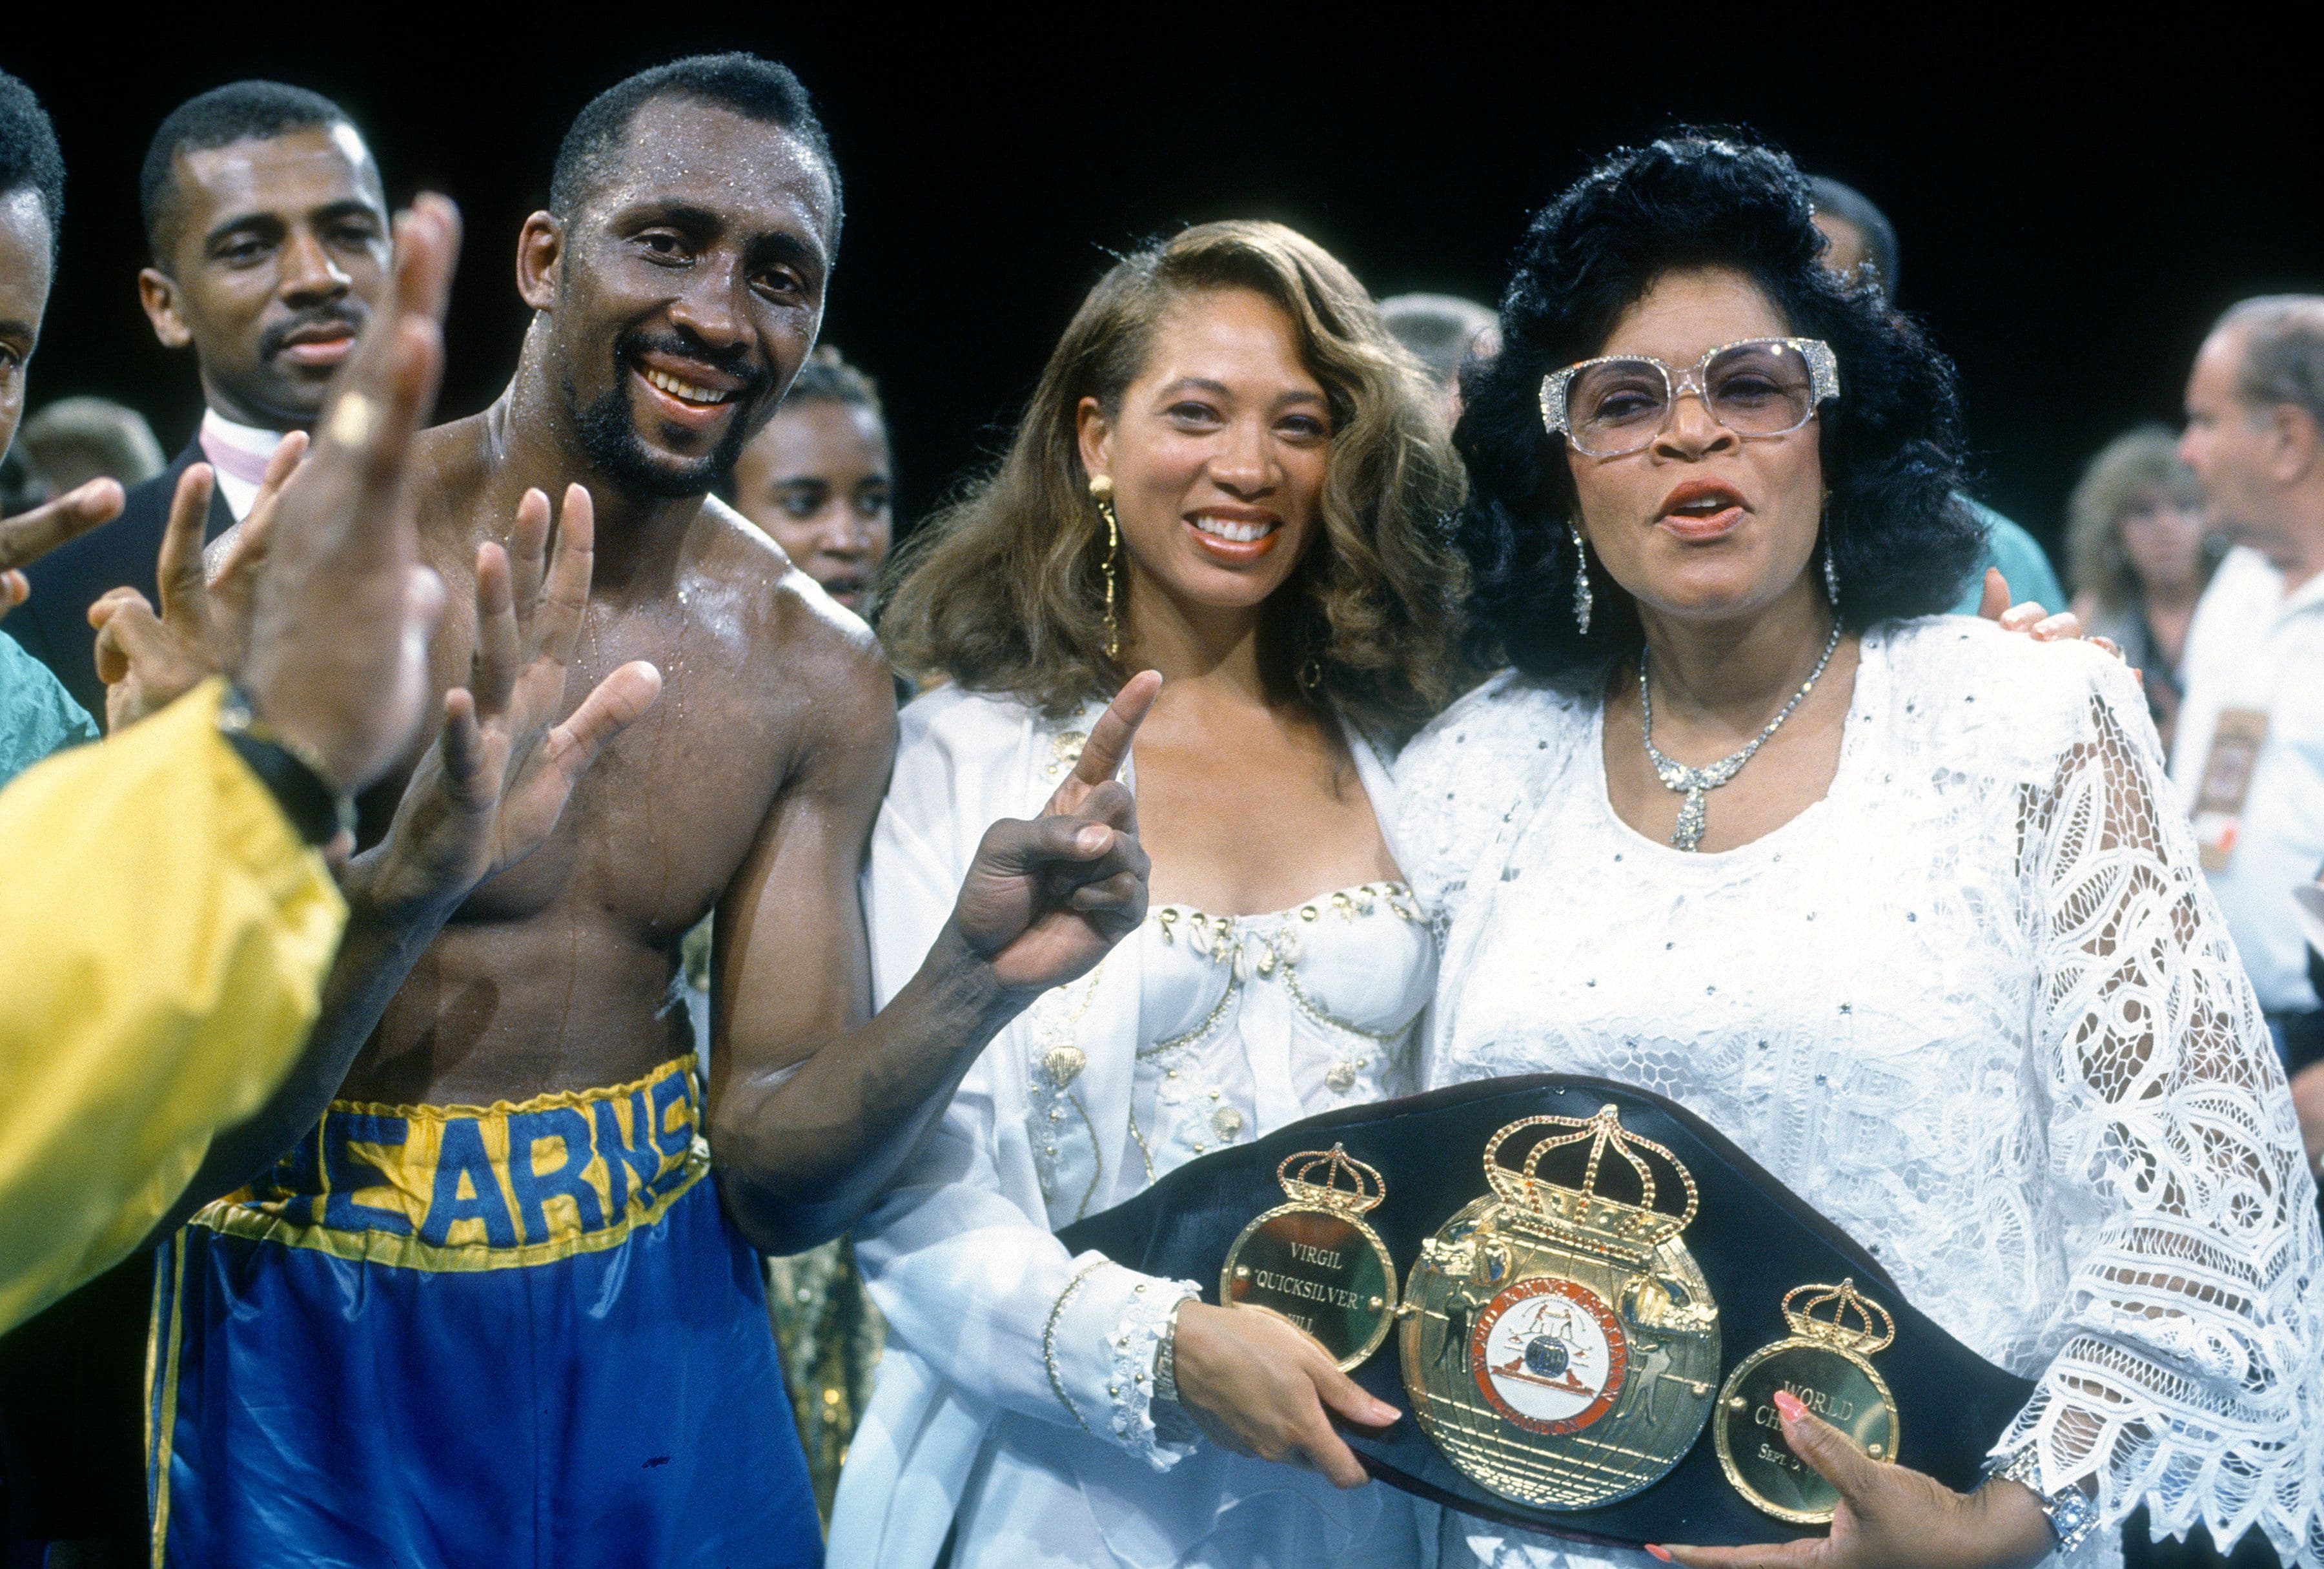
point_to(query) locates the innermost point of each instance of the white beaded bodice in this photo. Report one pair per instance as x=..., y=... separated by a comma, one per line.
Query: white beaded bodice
x=1977, y=1006
x=1013, y=1423
x=1249, y=1023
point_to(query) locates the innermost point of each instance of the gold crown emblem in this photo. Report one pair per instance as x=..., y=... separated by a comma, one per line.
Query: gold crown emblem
x=1581, y=1213
x=1851, y=1320
x=1314, y=1176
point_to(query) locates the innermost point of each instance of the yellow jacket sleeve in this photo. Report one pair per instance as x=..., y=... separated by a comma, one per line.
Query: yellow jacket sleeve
x=163, y=940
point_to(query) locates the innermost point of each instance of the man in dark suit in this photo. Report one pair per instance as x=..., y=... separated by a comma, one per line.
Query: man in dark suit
x=268, y=233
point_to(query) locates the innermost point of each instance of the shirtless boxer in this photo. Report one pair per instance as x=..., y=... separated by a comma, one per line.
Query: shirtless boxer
x=489, y=1310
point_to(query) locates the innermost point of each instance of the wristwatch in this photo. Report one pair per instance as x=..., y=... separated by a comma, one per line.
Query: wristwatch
x=291, y=771
x=2072, y=1513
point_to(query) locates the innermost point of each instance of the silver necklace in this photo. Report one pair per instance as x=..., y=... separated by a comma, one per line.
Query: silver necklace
x=1694, y=781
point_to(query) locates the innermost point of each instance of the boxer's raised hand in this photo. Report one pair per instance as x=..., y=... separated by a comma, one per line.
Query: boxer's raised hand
x=27, y=537
x=1044, y=900
x=494, y=783
x=146, y=660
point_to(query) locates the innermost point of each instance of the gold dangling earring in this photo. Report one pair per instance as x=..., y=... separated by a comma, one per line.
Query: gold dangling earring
x=1102, y=492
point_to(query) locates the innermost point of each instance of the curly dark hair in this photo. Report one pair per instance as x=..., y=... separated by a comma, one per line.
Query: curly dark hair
x=1903, y=538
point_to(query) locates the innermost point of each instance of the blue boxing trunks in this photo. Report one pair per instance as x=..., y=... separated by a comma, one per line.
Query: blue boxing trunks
x=453, y=1335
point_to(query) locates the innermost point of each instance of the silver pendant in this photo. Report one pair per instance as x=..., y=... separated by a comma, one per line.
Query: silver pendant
x=1694, y=783
x=1679, y=778
x=1688, y=833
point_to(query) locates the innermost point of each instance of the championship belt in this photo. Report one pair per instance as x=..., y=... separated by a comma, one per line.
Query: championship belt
x=1592, y=1276
x=1560, y=1345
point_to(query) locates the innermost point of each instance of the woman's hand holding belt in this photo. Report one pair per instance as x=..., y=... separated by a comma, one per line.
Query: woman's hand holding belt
x=1890, y=1517
x=1255, y=1384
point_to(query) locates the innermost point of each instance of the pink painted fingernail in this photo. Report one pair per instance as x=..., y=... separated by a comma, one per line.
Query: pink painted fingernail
x=1789, y=1404
x=1659, y=1552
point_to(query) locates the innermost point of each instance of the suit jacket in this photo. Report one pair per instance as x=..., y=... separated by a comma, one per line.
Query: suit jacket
x=54, y=627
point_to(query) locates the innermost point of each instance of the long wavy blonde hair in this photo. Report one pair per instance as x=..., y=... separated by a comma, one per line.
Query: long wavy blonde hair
x=1003, y=590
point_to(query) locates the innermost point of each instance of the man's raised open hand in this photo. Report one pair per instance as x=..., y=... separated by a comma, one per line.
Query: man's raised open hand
x=497, y=779
x=1044, y=900
x=27, y=537
x=148, y=661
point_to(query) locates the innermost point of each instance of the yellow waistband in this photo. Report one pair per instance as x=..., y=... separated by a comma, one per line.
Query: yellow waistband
x=481, y=1187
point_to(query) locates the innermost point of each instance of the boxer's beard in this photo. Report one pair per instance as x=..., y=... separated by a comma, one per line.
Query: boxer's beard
x=609, y=433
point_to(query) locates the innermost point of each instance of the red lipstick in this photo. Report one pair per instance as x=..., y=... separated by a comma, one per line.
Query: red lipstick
x=1701, y=510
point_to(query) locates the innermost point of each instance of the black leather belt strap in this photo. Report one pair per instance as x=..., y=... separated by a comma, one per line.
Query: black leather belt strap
x=1754, y=1238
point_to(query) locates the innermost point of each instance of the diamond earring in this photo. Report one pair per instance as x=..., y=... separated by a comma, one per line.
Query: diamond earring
x=1831, y=574
x=1581, y=582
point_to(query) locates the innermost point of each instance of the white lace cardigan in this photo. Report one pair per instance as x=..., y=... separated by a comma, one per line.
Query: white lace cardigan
x=1978, y=1006
x=987, y=1313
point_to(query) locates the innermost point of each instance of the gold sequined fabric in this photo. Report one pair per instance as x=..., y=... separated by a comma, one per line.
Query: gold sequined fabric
x=830, y=1335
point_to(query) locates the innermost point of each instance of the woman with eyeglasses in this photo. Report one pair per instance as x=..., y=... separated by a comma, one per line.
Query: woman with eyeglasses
x=1900, y=904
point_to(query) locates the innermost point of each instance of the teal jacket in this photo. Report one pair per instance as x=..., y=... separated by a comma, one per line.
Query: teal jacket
x=37, y=715
x=2022, y=562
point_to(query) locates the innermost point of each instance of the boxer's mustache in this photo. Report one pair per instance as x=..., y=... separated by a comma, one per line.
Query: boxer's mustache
x=737, y=361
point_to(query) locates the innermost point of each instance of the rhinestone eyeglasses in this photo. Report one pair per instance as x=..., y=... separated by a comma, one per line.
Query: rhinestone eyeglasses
x=1760, y=387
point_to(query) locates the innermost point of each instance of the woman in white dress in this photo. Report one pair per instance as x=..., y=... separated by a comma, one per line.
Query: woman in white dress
x=1268, y=528
x=1901, y=906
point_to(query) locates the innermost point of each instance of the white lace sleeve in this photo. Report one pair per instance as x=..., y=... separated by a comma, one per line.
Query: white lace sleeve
x=993, y=1304
x=1136, y=1340
x=2187, y=1368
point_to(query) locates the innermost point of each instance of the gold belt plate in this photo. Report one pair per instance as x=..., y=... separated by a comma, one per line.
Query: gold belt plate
x=1826, y=1364
x=1315, y=1260
x=1559, y=1343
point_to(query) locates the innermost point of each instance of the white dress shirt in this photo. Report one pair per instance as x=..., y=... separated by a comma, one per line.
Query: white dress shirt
x=239, y=454
x=2253, y=646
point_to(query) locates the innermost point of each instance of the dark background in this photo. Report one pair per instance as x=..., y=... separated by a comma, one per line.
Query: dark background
x=2076, y=205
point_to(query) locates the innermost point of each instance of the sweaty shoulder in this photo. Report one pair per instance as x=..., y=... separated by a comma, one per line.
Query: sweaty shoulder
x=1989, y=701
x=451, y=462
x=812, y=632
x=1481, y=760
x=786, y=646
